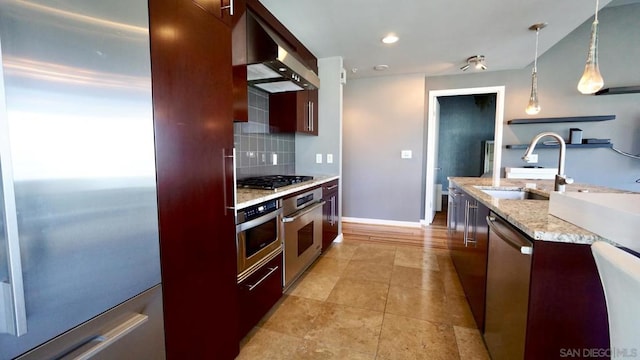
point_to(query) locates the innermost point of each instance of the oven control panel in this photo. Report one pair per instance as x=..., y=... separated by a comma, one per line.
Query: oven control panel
x=255, y=211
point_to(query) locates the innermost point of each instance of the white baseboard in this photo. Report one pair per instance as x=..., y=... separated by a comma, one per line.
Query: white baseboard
x=381, y=222
x=338, y=238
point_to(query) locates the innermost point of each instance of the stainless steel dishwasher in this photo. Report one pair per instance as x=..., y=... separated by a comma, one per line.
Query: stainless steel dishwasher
x=507, y=299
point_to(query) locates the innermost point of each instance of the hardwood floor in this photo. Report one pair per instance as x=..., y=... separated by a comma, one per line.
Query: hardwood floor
x=383, y=293
x=430, y=237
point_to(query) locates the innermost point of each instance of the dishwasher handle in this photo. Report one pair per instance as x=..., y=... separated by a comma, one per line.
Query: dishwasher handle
x=509, y=236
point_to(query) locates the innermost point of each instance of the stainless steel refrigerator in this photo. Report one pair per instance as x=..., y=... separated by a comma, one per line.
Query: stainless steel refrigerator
x=79, y=248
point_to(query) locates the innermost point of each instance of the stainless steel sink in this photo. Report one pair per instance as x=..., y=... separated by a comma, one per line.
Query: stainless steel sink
x=513, y=194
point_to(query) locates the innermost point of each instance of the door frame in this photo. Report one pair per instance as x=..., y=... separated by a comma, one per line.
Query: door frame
x=432, y=138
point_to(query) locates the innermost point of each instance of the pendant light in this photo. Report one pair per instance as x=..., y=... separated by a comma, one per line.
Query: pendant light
x=534, y=106
x=591, y=80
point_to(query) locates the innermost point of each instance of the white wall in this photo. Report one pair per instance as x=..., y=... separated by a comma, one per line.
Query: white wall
x=383, y=116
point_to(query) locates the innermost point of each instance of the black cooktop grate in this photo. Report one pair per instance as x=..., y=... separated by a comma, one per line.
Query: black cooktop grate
x=272, y=182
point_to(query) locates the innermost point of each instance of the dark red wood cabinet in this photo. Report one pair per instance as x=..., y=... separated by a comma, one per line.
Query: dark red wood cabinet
x=329, y=213
x=239, y=62
x=258, y=293
x=468, y=240
x=294, y=111
x=224, y=10
x=192, y=105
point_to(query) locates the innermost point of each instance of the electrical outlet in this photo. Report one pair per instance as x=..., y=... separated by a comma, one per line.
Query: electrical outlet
x=318, y=158
x=274, y=159
x=329, y=158
x=406, y=154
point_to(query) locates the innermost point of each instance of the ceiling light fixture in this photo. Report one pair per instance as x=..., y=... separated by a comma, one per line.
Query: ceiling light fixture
x=591, y=80
x=477, y=61
x=380, y=67
x=390, y=39
x=534, y=106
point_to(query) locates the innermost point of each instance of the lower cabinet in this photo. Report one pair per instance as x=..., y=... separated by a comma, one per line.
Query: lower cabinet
x=329, y=213
x=468, y=239
x=258, y=293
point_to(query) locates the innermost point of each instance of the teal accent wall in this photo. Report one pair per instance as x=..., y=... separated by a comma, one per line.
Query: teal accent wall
x=465, y=122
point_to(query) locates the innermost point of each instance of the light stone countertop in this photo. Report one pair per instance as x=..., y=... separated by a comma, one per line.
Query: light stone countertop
x=532, y=216
x=247, y=197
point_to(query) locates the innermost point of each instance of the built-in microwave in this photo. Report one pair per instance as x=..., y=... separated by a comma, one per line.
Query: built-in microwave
x=257, y=236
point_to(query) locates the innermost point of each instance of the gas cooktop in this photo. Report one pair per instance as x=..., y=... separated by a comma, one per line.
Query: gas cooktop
x=272, y=182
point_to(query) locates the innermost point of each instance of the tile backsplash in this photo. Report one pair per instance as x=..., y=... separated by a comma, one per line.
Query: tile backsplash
x=256, y=146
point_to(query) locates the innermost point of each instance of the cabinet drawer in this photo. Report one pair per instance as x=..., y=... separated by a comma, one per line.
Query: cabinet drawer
x=258, y=293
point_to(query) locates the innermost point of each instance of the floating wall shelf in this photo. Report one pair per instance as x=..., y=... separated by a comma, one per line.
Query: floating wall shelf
x=619, y=90
x=569, y=146
x=561, y=119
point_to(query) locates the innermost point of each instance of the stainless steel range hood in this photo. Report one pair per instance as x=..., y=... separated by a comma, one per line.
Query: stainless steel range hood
x=270, y=65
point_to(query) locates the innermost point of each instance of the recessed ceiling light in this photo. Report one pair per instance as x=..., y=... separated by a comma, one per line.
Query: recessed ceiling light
x=390, y=39
x=380, y=67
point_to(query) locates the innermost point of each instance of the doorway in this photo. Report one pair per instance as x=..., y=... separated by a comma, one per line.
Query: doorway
x=465, y=137
x=433, y=124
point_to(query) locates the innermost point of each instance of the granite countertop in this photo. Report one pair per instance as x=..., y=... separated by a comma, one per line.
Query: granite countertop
x=247, y=197
x=532, y=216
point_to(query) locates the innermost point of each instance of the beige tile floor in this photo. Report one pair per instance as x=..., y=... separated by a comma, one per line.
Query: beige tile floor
x=366, y=300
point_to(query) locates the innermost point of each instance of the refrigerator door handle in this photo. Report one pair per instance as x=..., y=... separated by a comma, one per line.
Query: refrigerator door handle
x=13, y=314
x=108, y=338
x=228, y=205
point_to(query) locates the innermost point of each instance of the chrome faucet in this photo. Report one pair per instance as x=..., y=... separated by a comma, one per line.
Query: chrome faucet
x=561, y=178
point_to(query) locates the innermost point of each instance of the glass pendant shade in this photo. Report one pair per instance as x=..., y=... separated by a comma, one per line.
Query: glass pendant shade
x=591, y=80
x=534, y=106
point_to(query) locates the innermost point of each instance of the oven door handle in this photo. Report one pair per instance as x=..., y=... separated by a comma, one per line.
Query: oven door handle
x=259, y=221
x=296, y=215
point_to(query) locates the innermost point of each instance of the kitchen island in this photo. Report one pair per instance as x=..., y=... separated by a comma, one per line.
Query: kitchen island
x=538, y=296
x=532, y=216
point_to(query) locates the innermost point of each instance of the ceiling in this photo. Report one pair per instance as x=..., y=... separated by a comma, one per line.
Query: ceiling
x=436, y=36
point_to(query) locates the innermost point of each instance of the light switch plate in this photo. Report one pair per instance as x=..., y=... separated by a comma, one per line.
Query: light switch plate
x=318, y=158
x=406, y=154
x=329, y=158
x=274, y=159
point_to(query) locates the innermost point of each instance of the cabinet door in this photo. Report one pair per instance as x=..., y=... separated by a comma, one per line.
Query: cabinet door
x=239, y=62
x=456, y=239
x=224, y=10
x=258, y=293
x=330, y=213
x=191, y=79
x=475, y=247
x=312, y=112
x=294, y=111
x=468, y=245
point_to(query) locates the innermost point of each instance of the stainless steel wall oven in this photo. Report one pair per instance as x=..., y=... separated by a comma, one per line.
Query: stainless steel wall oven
x=257, y=236
x=302, y=229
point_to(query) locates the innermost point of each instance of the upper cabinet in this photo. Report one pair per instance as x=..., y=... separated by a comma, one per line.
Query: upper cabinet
x=295, y=111
x=224, y=10
x=268, y=57
x=239, y=62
